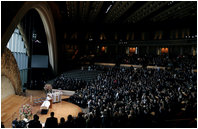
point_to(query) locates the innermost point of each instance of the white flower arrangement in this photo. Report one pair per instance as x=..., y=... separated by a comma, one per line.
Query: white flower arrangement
x=48, y=88
x=26, y=111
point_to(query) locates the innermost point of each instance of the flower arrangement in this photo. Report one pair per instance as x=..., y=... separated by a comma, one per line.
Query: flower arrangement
x=48, y=88
x=26, y=111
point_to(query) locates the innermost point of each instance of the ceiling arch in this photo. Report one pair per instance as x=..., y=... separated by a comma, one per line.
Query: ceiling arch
x=46, y=16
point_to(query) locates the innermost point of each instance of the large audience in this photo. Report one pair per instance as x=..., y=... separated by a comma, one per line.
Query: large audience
x=121, y=95
x=145, y=60
x=162, y=60
x=133, y=97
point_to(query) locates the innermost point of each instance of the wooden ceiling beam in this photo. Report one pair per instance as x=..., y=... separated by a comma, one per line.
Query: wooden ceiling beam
x=148, y=10
x=133, y=15
x=179, y=13
x=167, y=12
x=110, y=14
x=96, y=8
x=125, y=7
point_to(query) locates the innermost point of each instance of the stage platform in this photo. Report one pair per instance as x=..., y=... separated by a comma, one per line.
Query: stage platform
x=10, y=107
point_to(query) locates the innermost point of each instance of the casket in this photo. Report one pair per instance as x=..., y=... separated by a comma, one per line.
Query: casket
x=45, y=107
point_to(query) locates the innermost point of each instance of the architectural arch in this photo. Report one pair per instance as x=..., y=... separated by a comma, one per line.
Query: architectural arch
x=48, y=22
x=10, y=70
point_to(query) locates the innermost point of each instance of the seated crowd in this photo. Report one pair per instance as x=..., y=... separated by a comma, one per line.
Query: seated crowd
x=162, y=60
x=51, y=122
x=65, y=83
x=148, y=59
x=130, y=97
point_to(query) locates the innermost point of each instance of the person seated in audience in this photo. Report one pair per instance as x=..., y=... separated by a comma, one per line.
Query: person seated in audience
x=2, y=125
x=62, y=123
x=70, y=122
x=51, y=122
x=35, y=123
x=15, y=123
x=81, y=122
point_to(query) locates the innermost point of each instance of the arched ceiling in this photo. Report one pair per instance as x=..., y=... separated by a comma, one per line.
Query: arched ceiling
x=108, y=14
x=86, y=19
x=81, y=21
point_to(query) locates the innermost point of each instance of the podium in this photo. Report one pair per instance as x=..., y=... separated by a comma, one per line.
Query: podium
x=56, y=96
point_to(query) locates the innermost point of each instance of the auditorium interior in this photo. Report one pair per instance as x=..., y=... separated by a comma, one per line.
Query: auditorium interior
x=99, y=64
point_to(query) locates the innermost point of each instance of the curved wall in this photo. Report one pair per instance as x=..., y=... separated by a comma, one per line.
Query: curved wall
x=10, y=70
x=7, y=88
x=46, y=16
x=9, y=67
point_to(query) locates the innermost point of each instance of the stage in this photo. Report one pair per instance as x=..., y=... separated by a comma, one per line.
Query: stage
x=10, y=108
x=62, y=109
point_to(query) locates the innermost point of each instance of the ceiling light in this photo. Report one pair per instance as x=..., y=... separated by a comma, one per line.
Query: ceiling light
x=34, y=36
x=108, y=9
x=90, y=39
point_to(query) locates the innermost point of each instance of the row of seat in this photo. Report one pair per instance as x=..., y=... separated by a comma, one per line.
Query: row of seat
x=82, y=75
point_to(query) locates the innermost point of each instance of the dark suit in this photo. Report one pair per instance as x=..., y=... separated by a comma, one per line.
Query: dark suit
x=34, y=124
x=51, y=122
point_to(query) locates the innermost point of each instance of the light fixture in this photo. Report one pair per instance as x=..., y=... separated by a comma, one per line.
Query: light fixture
x=34, y=35
x=90, y=38
x=37, y=41
x=108, y=9
x=103, y=48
